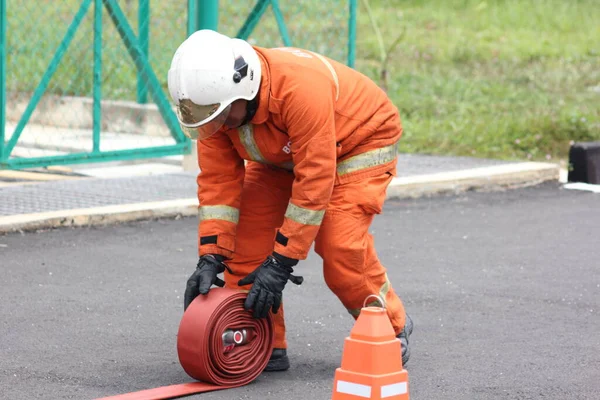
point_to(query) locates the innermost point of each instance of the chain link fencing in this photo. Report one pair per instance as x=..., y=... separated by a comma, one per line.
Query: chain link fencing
x=86, y=80
x=321, y=26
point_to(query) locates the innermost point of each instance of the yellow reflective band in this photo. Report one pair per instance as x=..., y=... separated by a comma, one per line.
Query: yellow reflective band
x=382, y=293
x=225, y=213
x=367, y=160
x=246, y=133
x=333, y=73
x=304, y=215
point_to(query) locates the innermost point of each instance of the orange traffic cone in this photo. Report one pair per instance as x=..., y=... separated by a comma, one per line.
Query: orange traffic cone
x=371, y=365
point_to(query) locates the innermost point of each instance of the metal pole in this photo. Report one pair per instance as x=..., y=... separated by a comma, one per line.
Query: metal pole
x=259, y=9
x=352, y=33
x=2, y=76
x=97, y=112
x=191, y=17
x=143, y=34
x=103, y=156
x=281, y=23
x=141, y=62
x=208, y=14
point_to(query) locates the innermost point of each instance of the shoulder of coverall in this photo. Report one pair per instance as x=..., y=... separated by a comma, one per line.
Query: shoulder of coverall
x=282, y=71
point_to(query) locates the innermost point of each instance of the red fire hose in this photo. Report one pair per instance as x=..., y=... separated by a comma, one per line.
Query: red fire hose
x=219, y=344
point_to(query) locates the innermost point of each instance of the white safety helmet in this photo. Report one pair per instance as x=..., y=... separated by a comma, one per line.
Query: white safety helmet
x=209, y=71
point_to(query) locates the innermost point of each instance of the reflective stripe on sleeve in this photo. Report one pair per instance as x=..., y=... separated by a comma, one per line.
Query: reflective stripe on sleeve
x=303, y=215
x=368, y=159
x=225, y=213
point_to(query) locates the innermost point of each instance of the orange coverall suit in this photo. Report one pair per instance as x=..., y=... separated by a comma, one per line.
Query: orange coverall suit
x=312, y=165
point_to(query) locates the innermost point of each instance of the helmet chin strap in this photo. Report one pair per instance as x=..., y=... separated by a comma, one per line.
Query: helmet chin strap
x=251, y=108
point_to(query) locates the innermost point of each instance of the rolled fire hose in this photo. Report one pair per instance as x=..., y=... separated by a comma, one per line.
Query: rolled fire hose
x=219, y=344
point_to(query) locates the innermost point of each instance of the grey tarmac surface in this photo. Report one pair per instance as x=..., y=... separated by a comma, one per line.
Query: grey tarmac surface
x=504, y=289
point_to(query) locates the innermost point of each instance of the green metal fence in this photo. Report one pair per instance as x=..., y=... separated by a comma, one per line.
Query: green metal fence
x=85, y=80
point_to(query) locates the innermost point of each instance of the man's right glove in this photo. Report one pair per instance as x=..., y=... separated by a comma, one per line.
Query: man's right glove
x=205, y=275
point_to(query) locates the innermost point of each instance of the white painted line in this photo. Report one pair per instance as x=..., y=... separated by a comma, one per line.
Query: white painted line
x=99, y=215
x=394, y=389
x=355, y=389
x=583, y=186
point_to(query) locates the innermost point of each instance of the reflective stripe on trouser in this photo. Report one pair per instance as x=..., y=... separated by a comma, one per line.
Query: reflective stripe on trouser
x=265, y=197
x=383, y=291
x=371, y=158
x=351, y=267
x=368, y=159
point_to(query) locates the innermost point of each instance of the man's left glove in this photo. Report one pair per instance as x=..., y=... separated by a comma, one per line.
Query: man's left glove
x=269, y=280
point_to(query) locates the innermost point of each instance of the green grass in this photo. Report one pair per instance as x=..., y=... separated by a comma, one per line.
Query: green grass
x=502, y=79
x=513, y=79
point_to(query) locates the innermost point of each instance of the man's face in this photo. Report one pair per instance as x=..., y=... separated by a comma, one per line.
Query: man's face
x=237, y=114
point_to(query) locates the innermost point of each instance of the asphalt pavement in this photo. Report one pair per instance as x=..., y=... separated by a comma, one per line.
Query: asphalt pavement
x=503, y=287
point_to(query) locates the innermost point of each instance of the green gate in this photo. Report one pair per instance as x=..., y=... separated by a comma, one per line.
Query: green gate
x=84, y=81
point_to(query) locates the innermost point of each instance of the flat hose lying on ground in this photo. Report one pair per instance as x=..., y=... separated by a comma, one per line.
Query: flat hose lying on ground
x=203, y=352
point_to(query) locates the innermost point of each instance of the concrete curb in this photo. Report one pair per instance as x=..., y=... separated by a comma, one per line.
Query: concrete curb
x=74, y=112
x=99, y=215
x=486, y=178
x=496, y=177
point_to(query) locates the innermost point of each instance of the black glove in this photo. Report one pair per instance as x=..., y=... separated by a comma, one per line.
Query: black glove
x=205, y=275
x=268, y=280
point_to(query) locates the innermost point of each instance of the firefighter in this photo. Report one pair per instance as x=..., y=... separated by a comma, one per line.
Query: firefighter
x=293, y=148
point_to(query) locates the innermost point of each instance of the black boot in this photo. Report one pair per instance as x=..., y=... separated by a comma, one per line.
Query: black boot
x=403, y=336
x=279, y=361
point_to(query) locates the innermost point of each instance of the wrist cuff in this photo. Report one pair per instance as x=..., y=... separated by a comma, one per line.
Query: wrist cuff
x=285, y=261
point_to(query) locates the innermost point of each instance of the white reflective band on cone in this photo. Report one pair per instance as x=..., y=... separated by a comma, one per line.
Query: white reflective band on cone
x=355, y=389
x=394, y=390
x=359, y=390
